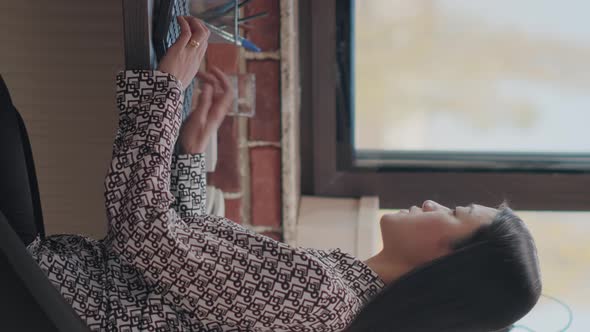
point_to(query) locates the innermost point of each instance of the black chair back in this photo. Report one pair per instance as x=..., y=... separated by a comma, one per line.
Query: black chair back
x=19, y=192
x=28, y=300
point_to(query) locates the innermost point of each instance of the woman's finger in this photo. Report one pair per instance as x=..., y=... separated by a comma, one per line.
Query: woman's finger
x=223, y=79
x=227, y=96
x=201, y=51
x=195, y=97
x=205, y=100
x=185, y=32
x=209, y=78
x=205, y=29
x=198, y=32
x=195, y=123
x=225, y=99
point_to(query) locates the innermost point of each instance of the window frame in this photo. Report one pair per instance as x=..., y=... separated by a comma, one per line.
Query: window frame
x=328, y=161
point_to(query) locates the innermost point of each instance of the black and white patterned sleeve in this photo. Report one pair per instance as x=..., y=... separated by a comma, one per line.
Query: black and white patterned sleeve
x=188, y=184
x=230, y=278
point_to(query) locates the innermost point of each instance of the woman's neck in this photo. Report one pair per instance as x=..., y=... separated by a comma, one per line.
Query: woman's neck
x=389, y=269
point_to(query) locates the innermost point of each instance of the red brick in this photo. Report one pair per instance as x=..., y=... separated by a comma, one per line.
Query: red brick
x=264, y=31
x=227, y=171
x=265, y=165
x=233, y=210
x=224, y=56
x=266, y=123
x=274, y=235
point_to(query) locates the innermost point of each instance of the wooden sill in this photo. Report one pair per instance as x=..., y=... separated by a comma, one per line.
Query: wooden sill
x=350, y=224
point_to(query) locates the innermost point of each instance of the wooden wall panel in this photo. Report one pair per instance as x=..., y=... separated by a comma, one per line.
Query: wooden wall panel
x=59, y=59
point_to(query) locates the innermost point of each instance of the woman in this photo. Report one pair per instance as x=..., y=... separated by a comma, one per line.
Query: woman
x=166, y=266
x=469, y=269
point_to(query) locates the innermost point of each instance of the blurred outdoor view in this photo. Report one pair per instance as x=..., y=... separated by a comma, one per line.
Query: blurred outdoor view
x=486, y=76
x=461, y=75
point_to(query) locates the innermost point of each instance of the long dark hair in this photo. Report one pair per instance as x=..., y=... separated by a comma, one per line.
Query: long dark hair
x=489, y=281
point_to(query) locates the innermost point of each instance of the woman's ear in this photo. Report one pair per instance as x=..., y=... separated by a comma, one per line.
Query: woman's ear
x=444, y=245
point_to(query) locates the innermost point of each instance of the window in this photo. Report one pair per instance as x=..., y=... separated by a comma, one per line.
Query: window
x=454, y=101
x=390, y=109
x=472, y=76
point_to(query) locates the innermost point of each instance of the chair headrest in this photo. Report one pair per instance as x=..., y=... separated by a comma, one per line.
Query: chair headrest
x=4, y=94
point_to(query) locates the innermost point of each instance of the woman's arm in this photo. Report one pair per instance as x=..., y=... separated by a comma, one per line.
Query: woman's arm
x=209, y=108
x=224, y=274
x=188, y=184
x=218, y=270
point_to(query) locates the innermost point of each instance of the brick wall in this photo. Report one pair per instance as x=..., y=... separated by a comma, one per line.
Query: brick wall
x=249, y=151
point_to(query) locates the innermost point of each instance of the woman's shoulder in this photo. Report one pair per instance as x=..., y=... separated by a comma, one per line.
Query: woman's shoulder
x=347, y=264
x=66, y=245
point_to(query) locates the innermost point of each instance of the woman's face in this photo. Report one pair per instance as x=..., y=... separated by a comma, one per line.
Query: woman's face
x=420, y=235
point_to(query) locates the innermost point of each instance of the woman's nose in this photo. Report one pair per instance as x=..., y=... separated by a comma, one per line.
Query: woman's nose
x=429, y=205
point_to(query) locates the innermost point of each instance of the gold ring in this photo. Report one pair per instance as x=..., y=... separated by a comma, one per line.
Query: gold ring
x=194, y=43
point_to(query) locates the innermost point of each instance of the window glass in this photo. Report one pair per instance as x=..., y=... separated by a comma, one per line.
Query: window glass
x=482, y=76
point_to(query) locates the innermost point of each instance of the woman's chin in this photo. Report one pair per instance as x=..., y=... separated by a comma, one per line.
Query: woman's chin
x=390, y=220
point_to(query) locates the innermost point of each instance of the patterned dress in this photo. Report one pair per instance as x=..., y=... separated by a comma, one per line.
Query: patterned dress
x=166, y=266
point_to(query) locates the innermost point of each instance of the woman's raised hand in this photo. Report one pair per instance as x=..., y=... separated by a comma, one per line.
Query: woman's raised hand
x=184, y=57
x=209, y=108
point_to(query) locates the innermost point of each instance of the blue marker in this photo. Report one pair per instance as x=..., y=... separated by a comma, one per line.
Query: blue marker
x=241, y=41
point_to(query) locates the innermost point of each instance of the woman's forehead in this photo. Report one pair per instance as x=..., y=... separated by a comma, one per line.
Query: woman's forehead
x=485, y=208
x=485, y=213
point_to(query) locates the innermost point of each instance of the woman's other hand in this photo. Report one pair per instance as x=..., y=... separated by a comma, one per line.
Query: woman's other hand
x=209, y=108
x=184, y=57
